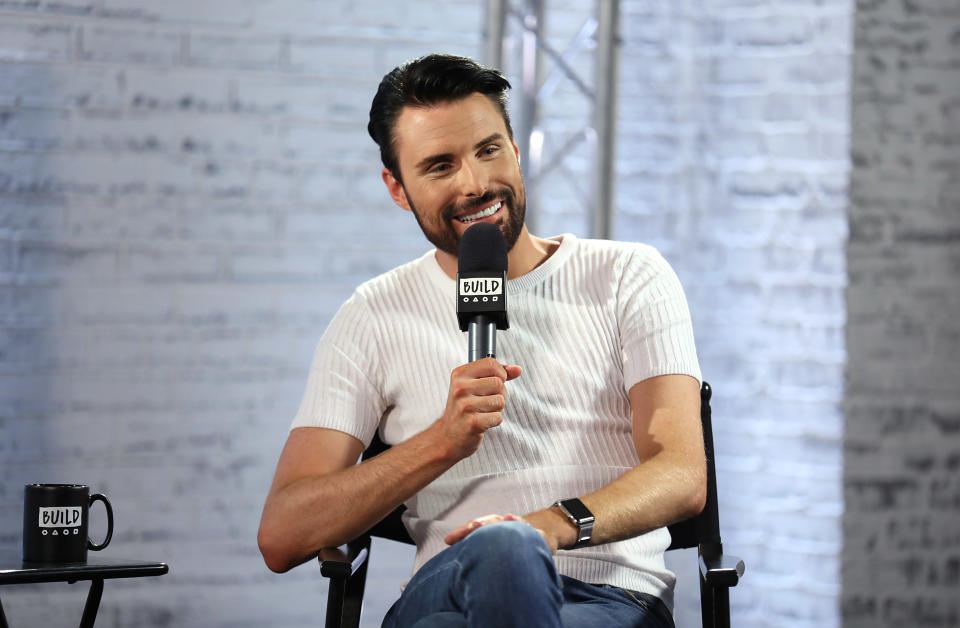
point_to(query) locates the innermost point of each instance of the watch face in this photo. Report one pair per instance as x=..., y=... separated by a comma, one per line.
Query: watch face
x=576, y=508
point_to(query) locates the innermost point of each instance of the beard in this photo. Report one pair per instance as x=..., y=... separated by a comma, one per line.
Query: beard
x=445, y=237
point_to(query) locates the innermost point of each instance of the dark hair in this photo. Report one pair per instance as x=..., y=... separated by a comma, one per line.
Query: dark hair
x=427, y=81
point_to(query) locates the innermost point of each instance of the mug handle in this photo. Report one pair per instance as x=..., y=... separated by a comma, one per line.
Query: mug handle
x=106, y=503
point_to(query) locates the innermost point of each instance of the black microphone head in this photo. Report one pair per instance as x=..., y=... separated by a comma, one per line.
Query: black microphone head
x=482, y=248
x=482, y=276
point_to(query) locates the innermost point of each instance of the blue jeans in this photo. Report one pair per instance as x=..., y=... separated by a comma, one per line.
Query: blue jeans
x=503, y=575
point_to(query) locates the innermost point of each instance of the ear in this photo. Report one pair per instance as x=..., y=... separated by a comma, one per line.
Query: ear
x=395, y=188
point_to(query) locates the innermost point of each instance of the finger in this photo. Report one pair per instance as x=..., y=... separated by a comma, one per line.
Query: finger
x=487, y=420
x=513, y=371
x=484, y=405
x=486, y=386
x=457, y=535
x=460, y=533
x=486, y=367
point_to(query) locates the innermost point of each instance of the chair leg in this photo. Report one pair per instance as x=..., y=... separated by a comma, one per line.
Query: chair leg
x=707, y=615
x=714, y=606
x=353, y=598
x=336, y=592
x=721, y=607
x=345, y=595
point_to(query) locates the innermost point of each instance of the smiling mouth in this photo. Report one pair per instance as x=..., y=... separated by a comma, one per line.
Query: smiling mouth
x=483, y=213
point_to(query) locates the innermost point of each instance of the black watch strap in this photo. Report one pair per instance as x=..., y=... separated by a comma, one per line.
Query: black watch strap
x=580, y=516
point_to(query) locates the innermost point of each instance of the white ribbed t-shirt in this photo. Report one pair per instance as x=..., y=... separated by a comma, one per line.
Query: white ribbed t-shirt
x=586, y=325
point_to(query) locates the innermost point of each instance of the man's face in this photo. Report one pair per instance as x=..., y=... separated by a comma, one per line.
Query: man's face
x=459, y=166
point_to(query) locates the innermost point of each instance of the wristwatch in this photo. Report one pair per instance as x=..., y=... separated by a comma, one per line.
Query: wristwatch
x=579, y=516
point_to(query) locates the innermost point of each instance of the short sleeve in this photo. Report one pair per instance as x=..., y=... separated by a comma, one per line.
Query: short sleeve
x=655, y=328
x=341, y=393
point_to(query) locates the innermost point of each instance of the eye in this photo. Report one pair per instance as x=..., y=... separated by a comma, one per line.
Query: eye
x=439, y=169
x=490, y=150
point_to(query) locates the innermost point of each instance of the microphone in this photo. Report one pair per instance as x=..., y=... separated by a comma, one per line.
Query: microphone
x=482, y=288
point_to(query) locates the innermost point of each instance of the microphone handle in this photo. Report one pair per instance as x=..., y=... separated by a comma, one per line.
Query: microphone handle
x=481, y=337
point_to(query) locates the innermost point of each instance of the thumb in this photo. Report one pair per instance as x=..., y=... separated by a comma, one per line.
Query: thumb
x=513, y=371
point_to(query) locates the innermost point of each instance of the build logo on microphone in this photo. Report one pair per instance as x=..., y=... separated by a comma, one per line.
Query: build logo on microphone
x=480, y=290
x=57, y=518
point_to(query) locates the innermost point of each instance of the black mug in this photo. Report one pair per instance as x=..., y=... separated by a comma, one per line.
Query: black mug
x=55, y=523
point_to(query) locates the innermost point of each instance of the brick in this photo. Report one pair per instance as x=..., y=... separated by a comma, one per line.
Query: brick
x=414, y=46
x=24, y=40
x=779, y=32
x=298, y=17
x=351, y=187
x=736, y=70
x=213, y=13
x=57, y=262
x=32, y=129
x=227, y=222
x=284, y=96
x=817, y=69
x=342, y=146
x=130, y=45
x=176, y=89
x=170, y=264
x=46, y=85
x=119, y=220
x=356, y=59
x=228, y=51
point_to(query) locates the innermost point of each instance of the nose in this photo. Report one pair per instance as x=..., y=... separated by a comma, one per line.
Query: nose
x=472, y=179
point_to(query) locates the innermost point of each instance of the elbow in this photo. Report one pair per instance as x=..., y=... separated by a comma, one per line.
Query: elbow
x=272, y=550
x=695, y=497
x=698, y=494
x=698, y=501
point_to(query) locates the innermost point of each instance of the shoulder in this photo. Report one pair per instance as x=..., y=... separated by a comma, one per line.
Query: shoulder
x=633, y=258
x=397, y=280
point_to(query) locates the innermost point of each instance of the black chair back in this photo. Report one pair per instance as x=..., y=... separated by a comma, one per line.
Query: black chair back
x=705, y=527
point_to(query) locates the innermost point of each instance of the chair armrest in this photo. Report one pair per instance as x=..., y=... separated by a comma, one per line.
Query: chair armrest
x=721, y=570
x=342, y=562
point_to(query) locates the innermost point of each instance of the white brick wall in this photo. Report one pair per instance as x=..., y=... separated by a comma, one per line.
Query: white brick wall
x=901, y=553
x=732, y=158
x=734, y=129
x=187, y=193
x=182, y=207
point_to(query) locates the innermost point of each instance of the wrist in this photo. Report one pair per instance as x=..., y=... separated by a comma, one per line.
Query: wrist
x=436, y=446
x=559, y=531
x=580, y=518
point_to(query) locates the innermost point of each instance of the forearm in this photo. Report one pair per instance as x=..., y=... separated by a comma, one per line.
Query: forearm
x=320, y=496
x=665, y=489
x=314, y=512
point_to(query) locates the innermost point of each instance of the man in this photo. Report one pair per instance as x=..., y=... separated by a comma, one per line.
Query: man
x=603, y=419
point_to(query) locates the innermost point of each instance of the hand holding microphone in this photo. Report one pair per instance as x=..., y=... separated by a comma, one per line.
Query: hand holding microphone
x=477, y=389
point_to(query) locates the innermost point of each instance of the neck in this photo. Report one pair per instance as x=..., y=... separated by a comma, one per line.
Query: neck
x=528, y=253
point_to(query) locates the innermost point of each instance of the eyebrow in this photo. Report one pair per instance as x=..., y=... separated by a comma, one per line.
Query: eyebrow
x=427, y=162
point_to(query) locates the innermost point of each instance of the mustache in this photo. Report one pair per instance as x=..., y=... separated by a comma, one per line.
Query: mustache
x=451, y=211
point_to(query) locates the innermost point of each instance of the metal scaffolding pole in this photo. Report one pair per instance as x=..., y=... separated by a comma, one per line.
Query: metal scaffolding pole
x=605, y=115
x=598, y=33
x=496, y=18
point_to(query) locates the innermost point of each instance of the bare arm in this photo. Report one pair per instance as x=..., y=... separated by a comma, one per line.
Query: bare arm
x=668, y=485
x=321, y=498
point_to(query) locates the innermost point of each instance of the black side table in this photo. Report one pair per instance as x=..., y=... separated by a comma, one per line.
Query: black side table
x=96, y=570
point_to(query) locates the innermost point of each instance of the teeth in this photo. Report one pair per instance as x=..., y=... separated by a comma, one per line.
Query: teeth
x=481, y=214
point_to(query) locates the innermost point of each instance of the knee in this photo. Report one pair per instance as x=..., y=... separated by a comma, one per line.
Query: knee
x=514, y=555
x=509, y=539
